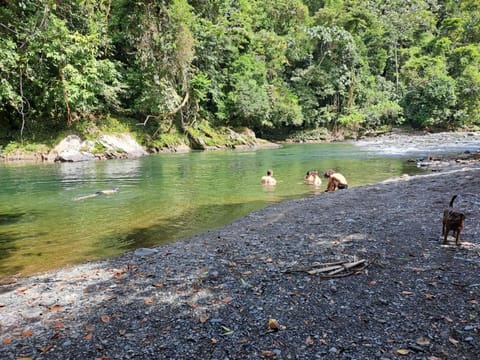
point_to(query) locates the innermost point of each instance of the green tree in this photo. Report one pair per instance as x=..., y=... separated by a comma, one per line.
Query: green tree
x=430, y=97
x=10, y=95
x=155, y=41
x=244, y=53
x=458, y=42
x=326, y=82
x=404, y=23
x=60, y=74
x=247, y=104
x=274, y=65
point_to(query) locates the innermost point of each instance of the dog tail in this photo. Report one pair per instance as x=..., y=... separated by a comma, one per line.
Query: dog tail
x=453, y=199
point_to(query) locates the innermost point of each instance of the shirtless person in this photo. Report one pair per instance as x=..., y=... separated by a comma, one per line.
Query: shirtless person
x=335, y=180
x=98, y=193
x=312, y=178
x=268, y=179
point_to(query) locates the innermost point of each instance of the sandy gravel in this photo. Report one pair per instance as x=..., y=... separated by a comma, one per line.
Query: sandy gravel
x=257, y=287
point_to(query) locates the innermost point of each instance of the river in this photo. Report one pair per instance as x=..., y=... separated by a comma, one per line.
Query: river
x=161, y=198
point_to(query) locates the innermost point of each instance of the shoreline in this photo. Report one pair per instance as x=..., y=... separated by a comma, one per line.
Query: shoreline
x=394, y=141
x=439, y=165
x=74, y=154
x=213, y=295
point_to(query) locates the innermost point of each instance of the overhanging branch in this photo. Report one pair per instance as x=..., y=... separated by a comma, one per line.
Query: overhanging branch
x=177, y=109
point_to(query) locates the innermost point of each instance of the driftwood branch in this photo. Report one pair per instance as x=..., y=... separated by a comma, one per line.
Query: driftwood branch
x=346, y=267
x=334, y=269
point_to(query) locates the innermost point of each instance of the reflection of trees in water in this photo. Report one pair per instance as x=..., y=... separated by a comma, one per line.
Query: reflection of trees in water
x=11, y=218
x=7, y=238
x=99, y=171
x=162, y=198
x=188, y=223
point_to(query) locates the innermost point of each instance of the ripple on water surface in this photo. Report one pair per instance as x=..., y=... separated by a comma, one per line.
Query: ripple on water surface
x=161, y=198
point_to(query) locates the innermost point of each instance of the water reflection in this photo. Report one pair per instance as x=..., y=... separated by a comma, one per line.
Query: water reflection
x=161, y=198
x=98, y=172
x=72, y=172
x=180, y=225
x=11, y=218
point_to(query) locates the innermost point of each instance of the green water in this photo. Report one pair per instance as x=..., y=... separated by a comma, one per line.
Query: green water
x=162, y=198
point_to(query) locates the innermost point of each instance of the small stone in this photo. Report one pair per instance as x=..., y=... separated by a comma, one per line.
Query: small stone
x=213, y=275
x=216, y=320
x=145, y=252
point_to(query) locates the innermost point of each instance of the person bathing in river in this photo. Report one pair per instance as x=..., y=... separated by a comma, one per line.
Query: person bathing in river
x=268, y=179
x=335, y=180
x=312, y=178
x=98, y=193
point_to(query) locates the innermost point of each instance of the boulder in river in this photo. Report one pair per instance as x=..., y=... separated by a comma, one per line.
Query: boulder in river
x=74, y=149
x=122, y=144
x=71, y=149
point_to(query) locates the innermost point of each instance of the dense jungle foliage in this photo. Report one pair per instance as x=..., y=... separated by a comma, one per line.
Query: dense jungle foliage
x=275, y=66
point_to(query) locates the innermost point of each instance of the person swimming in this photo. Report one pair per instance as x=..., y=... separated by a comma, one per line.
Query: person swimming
x=98, y=193
x=268, y=179
x=108, y=191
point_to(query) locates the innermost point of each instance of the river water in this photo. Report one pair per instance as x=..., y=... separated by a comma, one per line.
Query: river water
x=161, y=198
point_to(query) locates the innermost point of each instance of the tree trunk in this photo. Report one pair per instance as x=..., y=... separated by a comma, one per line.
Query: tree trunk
x=65, y=96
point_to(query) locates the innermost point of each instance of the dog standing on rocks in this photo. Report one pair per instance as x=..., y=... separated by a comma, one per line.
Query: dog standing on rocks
x=453, y=220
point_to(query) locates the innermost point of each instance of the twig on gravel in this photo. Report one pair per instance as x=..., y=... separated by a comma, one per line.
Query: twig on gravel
x=334, y=269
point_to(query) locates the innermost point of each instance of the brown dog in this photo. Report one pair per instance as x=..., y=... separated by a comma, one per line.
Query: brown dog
x=452, y=220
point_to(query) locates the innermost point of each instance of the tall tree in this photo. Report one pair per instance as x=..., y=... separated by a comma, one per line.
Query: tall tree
x=60, y=73
x=159, y=36
x=430, y=97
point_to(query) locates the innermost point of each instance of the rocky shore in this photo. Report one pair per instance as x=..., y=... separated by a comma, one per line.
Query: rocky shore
x=105, y=146
x=356, y=274
x=428, y=144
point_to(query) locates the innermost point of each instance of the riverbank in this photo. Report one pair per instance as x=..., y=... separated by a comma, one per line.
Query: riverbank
x=125, y=145
x=258, y=288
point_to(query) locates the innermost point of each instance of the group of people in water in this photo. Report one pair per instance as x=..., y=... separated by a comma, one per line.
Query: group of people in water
x=335, y=179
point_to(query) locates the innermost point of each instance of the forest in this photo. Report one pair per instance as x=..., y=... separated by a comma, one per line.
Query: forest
x=170, y=68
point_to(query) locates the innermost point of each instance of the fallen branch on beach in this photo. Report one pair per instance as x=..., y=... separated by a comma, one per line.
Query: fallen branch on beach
x=334, y=269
